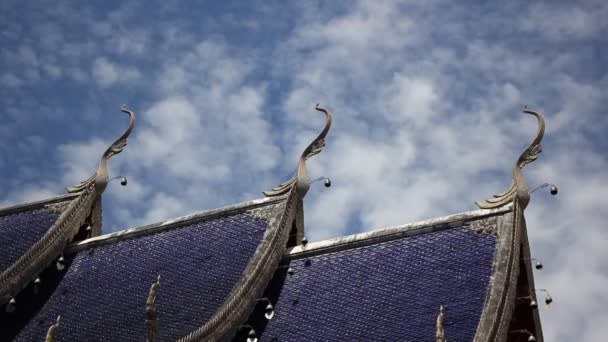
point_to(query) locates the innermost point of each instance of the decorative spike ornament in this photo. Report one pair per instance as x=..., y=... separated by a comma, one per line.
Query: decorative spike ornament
x=50, y=333
x=439, y=333
x=151, y=314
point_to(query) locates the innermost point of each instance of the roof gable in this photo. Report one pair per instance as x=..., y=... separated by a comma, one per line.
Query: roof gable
x=103, y=290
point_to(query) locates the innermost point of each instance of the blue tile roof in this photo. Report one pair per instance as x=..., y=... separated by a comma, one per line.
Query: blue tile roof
x=103, y=292
x=389, y=291
x=20, y=231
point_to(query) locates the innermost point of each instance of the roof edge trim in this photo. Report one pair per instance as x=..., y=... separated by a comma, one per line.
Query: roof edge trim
x=169, y=224
x=391, y=233
x=18, y=208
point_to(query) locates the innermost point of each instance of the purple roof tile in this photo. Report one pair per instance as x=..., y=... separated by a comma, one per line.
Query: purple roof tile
x=101, y=294
x=20, y=231
x=389, y=291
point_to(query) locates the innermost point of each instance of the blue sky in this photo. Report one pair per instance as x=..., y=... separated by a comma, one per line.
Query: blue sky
x=426, y=96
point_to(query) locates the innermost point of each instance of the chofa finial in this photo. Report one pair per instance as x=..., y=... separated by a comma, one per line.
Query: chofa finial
x=50, y=333
x=151, y=314
x=300, y=179
x=519, y=188
x=101, y=177
x=439, y=333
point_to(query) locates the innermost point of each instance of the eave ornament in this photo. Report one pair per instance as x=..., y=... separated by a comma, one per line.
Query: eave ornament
x=101, y=176
x=300, y=179
x=519, y=188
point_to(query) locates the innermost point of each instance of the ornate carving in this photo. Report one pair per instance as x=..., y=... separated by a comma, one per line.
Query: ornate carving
x=300, y=179
x=15, y=277
x=439, y=333
x=519, y=188
x=58, y=207
x=100, y=178
x=51, y=331
x=151, y=314
x=488, y=225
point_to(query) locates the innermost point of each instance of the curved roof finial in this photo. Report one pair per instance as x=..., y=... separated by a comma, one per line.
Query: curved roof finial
x=100, y=178
x=300, y=179
x=519, y=188
x=50, y=333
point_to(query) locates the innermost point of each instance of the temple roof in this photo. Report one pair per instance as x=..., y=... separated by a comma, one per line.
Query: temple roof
x=388, y=284
x=22, y=226
x=245, y=272
x=102, y=290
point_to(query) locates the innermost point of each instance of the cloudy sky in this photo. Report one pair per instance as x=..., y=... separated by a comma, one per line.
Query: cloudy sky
x=426, y=96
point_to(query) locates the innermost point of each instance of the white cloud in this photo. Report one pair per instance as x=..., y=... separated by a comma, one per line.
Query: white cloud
x=107, y=73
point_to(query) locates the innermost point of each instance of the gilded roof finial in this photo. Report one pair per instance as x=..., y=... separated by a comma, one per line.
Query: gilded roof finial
x=519, y=188
x=51, y=331
x=300, y=179
x=151, y=314
x=439, y=333
x=101, y=177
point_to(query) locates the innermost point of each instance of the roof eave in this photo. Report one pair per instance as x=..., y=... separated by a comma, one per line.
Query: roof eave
x=392, y=233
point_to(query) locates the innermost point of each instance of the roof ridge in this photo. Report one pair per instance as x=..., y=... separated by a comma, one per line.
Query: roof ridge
x=39, y=204
x=392, y=233
x=169, y=224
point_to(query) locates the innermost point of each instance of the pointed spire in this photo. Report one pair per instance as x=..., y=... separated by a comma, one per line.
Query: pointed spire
x=300, y=179
x=51, y=331
x=151, y=314
x=439, y=333
x=519, y=188
x=101, y=177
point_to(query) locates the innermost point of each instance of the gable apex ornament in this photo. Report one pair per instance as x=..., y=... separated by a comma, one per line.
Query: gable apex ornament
x=101, y=177
x=519, y=188
x=300, y=179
